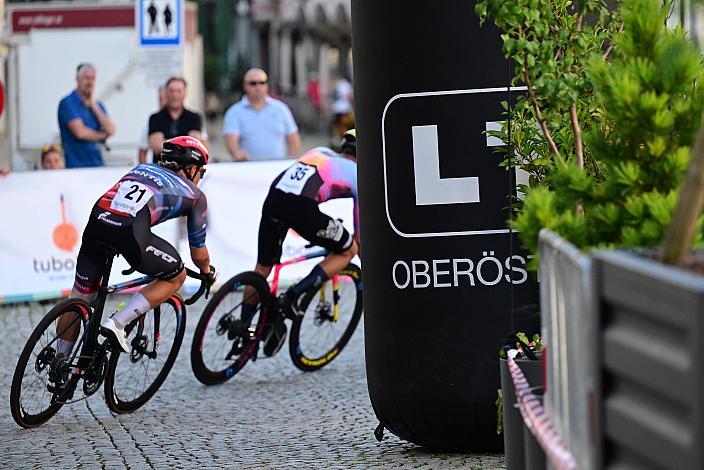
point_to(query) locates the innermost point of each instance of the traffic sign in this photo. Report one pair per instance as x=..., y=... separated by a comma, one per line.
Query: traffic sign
x=159, y=22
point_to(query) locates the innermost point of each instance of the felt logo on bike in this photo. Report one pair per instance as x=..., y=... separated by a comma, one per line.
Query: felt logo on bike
x=131, y=197
x=295, y=178
x=442, y=175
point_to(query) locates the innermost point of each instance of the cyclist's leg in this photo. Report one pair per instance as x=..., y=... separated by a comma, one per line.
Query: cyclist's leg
x=270, y=239
x=89, y=268
x=155, y=257
x=321, y=229
x=336, y=262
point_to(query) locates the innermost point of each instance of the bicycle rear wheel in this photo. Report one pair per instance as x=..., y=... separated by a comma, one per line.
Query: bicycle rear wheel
x=42, y=379
x=329, y=320
x=224, y=341
x=155, y=339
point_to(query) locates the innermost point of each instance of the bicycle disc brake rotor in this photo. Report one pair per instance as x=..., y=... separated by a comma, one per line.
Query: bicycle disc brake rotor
x=139, y=348
x=44, y=358
x=224, y=324
x=322, y=313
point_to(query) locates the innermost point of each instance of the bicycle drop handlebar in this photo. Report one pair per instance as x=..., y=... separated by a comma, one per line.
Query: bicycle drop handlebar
x=203, y=289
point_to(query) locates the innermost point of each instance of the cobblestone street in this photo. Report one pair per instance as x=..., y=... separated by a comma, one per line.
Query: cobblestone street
x=270, y=415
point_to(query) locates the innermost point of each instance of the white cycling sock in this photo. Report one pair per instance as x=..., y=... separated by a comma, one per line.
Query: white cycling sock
x=137, y=305
x=64, y=346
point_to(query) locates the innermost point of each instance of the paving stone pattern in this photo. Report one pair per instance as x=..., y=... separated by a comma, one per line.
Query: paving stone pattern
x=269, y=416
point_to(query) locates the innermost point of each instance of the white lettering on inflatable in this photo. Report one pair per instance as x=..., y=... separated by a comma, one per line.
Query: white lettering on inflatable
x=459, y=272
x=417, y=274
x=408, y=275
x=437, y=272
x=516, y=269
x=489, y=257
x=467, y=272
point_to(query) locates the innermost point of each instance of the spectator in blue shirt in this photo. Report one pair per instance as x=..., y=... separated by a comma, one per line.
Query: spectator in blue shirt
x=260, y=127
x=83, y=122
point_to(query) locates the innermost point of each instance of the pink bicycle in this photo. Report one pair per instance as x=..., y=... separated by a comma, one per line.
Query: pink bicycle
x=225, y=339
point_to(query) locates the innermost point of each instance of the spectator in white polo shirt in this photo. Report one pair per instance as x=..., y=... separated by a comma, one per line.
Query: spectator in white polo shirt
x=260, y=127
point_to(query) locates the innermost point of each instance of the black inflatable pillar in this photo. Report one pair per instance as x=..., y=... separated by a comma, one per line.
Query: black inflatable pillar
x=444, y=279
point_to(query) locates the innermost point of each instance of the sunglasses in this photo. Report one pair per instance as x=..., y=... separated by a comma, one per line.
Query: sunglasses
x=255, y=83
x=202, y=172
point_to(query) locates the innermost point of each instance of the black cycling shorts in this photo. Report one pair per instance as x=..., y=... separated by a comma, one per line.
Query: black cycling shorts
x=130, y=237
x=282, y=211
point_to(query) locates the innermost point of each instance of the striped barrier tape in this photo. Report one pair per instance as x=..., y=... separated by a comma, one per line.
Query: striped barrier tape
x=537, y=419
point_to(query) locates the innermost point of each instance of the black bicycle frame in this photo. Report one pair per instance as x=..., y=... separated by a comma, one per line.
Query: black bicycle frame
x=98, y=304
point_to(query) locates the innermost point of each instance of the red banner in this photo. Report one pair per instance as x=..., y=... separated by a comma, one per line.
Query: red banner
x=24, y=20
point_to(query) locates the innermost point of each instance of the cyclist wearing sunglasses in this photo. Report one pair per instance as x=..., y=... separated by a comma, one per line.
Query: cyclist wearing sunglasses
x=318, y=176
x=122, y=219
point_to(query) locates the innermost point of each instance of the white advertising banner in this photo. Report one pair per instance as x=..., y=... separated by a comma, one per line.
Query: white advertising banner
x=44, y=214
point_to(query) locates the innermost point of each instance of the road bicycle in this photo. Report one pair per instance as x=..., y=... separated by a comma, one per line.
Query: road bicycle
x=224, y=341
x=45, y=380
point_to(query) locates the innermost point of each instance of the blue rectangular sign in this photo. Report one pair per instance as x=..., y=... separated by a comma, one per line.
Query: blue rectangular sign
x=159, y=22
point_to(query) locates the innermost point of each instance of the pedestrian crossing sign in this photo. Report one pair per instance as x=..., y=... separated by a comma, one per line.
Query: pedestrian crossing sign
x=159, y=22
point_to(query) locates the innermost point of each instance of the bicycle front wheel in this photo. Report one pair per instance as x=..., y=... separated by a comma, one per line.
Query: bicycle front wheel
x=331, y=316
x=225, y=339
x=42, y=377
x=155, y=339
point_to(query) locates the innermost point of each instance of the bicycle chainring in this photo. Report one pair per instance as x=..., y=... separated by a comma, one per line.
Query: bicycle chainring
x=95, y=374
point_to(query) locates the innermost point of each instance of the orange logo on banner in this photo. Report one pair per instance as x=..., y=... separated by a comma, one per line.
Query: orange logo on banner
x=65, y=234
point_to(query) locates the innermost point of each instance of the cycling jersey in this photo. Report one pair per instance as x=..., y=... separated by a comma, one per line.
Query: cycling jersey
x=321, y=174
x=121, y=220
x=166, y=195
x=318, y=176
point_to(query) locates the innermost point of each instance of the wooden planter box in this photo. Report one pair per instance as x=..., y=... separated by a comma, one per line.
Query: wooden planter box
x=651, y=333
x=520, y=447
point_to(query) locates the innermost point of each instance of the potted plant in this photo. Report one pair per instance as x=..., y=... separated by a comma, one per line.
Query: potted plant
x=518, y=444
x=550, y=45
x=648, y=100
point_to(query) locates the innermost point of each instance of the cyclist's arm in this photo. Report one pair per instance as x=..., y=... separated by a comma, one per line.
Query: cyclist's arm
x=355, y=198
x=196, y=224
x=201, y=258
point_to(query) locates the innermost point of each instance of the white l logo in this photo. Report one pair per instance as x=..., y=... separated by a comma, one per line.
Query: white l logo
x=430, y=188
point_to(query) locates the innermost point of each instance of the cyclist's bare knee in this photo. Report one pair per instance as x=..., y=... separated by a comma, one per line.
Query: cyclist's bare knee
x=352, y=251
x=178, y=280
